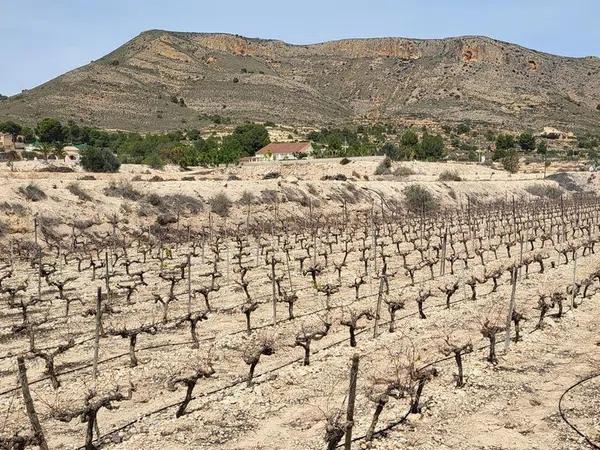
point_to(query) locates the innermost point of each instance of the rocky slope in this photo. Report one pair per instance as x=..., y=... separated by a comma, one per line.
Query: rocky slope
x=463, y=78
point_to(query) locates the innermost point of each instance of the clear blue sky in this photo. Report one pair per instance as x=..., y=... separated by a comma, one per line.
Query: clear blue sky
x=43, y=39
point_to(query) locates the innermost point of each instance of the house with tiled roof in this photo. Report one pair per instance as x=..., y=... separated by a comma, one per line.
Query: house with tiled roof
x=278, y=151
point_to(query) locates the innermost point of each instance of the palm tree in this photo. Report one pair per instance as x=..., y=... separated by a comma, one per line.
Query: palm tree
x=59, y=151
x=45, y=150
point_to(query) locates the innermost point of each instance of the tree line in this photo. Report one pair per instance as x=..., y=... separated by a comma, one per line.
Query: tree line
x=185, y=148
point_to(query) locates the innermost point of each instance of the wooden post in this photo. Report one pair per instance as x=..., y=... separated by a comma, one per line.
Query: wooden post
x=274, y=290
x=351, y=400
x=189, y=280
x=443, y=258
x=107, y=262
x=511, y=307
x=97, y=335
x=33, y=418
x=39, y=281
x=573, y=284
x=378, y=309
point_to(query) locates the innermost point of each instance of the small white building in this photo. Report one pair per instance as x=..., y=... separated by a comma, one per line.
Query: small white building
x=71, y=154
x=279, y=151
x=6, y=141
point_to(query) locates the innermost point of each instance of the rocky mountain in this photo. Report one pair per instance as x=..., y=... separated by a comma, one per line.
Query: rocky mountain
x=136, y=87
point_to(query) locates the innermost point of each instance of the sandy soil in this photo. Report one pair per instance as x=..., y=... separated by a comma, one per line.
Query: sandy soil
x=511, y=405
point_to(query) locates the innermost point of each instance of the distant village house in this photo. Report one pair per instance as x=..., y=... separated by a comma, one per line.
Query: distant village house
x=279, y=151
x=11, y=147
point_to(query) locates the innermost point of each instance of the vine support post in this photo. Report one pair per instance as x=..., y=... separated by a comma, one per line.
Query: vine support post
x=351, y=401
x=511, y=307
x=443, y=258
x=97, y=331
x=33, y=417
x=274, y=295
x=574, y=275
x=189, y=283
x=378, y=308
x=107, y=262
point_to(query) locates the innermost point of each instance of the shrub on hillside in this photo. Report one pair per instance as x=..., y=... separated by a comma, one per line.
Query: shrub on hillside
x=419, y=199
x=99, y=160
x=384, y=167
x=123, y=190
x=33, y=193
x=336, y=177
x=271, y=175
x=77, y=191
x=220, y=204
x=448, y=175
x=540, y=190
x=511, y=162
x=403, y=172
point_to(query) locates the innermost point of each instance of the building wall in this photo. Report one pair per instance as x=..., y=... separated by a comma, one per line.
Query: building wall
x=6, y=141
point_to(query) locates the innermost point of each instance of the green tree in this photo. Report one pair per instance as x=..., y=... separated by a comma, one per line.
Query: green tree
x=192, y=135
x=511, y=161
x=252, y=137
x=505, y=142
x=99, y=160
x=45, y=149
x=390, y=150
x=50, y=130
x=542, y=148
x=409, y=138
x=231, y=150
x=154, y=161
x=28, y=135
x=431, y=147
x=11, y=127
x=526, y=141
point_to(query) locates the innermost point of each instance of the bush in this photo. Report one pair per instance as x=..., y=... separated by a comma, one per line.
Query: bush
x=33, y=193
x=77, y=191
x=336, y=177
x=271, y=175
x=431, y=147
x=166, y=219
x=384, y=167
x=526, y=141
x=99, y=160
x=540, y=190
x=220, y=204
x=391, y=150
x=123, y=190
x=447, y=175
x=56, y=169
x=419, y=199
x=403, y=171
x=505, y=142
x=511, y=162
x=345, y=161
x=409, y=138
x=154, y=161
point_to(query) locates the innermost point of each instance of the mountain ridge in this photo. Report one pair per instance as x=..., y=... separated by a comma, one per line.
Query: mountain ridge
x=474, y=78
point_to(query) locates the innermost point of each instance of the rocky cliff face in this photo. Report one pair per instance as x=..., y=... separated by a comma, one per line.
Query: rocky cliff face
x=448, y=80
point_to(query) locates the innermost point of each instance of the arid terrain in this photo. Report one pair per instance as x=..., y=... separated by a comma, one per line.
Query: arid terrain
x=164, y=80
x=262, y=266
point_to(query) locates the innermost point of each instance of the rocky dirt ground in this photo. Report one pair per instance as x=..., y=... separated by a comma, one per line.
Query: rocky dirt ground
x=511, y=405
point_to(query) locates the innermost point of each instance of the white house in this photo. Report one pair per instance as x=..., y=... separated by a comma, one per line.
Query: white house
x=278, y=151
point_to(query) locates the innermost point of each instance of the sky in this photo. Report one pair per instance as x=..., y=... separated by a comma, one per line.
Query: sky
x=41, y=39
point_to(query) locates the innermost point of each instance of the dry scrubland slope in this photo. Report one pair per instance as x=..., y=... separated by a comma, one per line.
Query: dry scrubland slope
x=474, y=78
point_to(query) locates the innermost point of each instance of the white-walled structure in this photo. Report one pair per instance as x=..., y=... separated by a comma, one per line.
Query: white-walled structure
x=278, y=151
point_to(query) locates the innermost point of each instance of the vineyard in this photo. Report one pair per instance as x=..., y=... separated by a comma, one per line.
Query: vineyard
x=302, y=328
